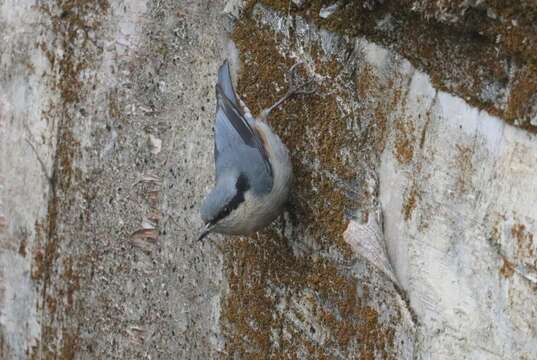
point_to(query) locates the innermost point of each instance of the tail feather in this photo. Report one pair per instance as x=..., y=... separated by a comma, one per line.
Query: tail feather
x=225, y=82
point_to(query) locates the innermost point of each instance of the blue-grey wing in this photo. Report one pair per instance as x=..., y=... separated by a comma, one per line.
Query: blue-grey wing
x=237, y=144
x=224, y=80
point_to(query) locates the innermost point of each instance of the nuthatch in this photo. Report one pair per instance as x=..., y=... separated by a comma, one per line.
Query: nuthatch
x=253, y=169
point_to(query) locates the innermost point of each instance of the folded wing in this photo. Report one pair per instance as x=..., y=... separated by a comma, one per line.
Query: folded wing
x=237, y=144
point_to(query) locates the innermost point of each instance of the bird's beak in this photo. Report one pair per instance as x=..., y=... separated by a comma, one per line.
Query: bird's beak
x=205, y=230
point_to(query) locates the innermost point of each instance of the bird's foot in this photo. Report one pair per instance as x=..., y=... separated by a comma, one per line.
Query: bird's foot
x=297, y=85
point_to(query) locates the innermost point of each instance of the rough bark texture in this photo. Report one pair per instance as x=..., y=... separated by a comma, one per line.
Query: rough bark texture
x=411, y=227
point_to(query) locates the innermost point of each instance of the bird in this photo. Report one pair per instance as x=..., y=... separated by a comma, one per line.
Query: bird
x=253, y=170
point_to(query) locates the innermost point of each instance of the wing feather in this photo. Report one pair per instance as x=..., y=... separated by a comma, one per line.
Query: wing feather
x=232, y=129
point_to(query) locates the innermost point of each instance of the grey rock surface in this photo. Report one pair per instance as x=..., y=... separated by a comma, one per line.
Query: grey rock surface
x=100, y=262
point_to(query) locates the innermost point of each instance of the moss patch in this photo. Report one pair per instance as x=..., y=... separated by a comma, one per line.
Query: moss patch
x=525, y=245
x=471, y=57
x=508, y=268
x=411, y=202
x=251, y=312
x=261, y=316
x=405, y=140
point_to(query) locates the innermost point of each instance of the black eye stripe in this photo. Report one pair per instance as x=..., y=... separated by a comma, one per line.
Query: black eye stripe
x=242, y=185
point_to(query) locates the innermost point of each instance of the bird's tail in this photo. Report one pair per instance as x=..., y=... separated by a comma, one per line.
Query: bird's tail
x=225, y=82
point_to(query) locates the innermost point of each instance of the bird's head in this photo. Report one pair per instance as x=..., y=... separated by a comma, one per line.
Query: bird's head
x=221, y=204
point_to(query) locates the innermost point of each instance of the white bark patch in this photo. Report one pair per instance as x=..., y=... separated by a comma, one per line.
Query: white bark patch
x=367, y=240
x=465, y=251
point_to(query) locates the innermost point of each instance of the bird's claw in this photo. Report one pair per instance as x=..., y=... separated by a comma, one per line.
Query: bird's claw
x=296, y=85
x=295, y=88
x=292, y=72
x=307, y=88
